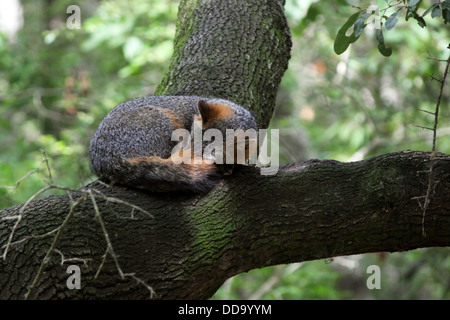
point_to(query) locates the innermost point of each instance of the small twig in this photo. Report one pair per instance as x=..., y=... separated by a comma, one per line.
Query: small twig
x=53, y=245
x=434, y=58
x=140, y=281
x=10, y=244
x=431, y=183
x=45, y=160
x=92, y=194
x=19, y=218
x=64, y=260
x=422, y=127
x=109, y=247
x=426, y=111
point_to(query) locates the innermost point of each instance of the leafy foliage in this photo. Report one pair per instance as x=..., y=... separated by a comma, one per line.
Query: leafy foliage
x=381, y=19
x=58, y=83
x=311, y=280
x=342, y=41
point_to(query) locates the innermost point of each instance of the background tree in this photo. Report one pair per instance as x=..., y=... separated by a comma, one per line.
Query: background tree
x=358, y=135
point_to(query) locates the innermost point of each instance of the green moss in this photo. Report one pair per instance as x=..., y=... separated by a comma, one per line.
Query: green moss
x=185, y=27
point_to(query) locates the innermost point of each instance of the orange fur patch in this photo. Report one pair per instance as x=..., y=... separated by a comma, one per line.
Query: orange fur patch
x=221, y=110
x=135, y=161
x=173, y=118
x=211, y=111
x=203, y=166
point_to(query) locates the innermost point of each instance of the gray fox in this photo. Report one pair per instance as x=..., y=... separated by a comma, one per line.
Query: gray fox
x=133, y=146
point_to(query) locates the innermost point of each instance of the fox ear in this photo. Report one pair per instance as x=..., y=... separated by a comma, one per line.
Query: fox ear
x=212, y=111
x=207, y=111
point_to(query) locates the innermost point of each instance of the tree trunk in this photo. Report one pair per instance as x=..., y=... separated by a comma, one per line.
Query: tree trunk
x=184, y=246
x=236, y=50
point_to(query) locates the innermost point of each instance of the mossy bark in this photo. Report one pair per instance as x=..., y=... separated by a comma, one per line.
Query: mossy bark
x=312, y=210
x=236, y=50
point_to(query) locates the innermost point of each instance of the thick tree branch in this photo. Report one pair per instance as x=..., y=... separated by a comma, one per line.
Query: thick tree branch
x=312, y=210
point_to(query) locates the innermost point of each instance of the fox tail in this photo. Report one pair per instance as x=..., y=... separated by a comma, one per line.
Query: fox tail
x=161, y=175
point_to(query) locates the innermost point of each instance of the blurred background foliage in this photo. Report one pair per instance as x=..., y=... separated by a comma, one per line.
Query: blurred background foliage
x=56, y=84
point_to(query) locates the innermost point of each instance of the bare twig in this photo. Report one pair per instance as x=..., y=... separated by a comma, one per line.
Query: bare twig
x=64, y=260
x=110, y=248
x=53, y=245
x=44, y=161
x=431, y=183
x=85, y=194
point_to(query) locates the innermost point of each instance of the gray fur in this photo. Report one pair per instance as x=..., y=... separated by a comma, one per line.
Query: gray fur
x=138, y=128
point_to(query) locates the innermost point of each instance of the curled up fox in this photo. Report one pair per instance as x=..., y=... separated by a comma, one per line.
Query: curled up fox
x=133, y=145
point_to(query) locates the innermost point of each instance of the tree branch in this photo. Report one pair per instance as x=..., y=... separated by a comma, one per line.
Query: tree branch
x=322, y=208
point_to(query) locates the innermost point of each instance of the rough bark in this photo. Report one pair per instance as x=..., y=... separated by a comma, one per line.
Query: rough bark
x=311, y=210
x=237, y=50
x=193, y=243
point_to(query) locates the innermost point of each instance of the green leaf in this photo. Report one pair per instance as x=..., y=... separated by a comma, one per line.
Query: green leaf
x=358, y=27
x=342, y=42
x=412, y=3
x=430, y=9
x=446, y=15
x=381, y=45
x=360, y=24
x=392, y=20
x=446, y=4
x=436, y=12
x=421, y=21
